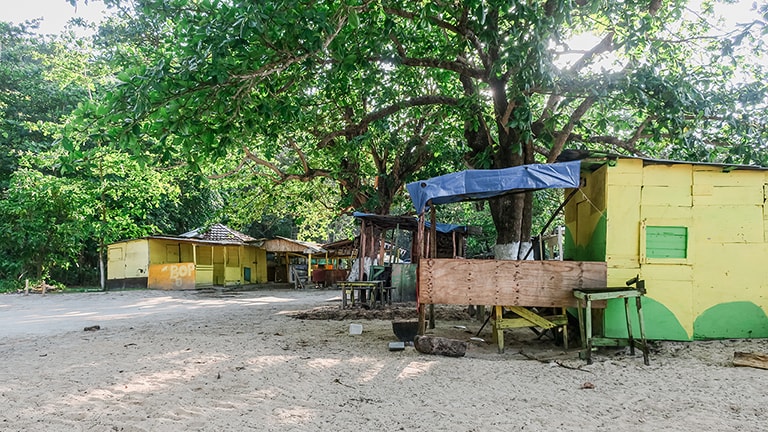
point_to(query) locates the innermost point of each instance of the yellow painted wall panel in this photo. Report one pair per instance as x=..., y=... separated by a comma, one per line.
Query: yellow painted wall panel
x=679, y=175
x=261, y=265
x=116, y=261
x=137, y=258
x=677, y=296
x=186, y=252
x=623, y=225
x=737, y=178
x=627, y=172
x=731, y=272
x=671, y=195
x=730, y=224
x=725, y=195
x=218, y=255
x=672, y=286
x=204, y=255
x=618, y=277
x=615, y=261
x=681, y=216
x=586, y=208
x=159, y=250
x=678, y=272
x=170, y=276
x=732, y=264
x=204, y=274
x=232, y=275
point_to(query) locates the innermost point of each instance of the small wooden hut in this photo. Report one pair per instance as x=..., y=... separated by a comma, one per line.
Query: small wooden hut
x=291, y=258
x=218, y=255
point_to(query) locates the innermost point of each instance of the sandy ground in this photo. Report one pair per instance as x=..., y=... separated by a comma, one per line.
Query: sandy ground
x=189, y=361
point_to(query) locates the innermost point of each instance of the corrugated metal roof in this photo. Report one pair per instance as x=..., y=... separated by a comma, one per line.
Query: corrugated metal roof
x=282, y=244
x=218, y=232
x=590, y=161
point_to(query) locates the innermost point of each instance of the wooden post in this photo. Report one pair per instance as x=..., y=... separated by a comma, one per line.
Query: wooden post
x=395, y=234
x=417, y=254
x=498, y=331
x=382, y=250
x=287, y=266
x=361, y=253
x=432, y=254
x=309, y=266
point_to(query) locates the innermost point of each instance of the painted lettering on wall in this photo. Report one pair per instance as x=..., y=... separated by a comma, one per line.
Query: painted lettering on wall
x=172, y=276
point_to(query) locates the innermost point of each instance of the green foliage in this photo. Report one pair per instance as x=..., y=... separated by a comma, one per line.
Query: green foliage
x=369, y=96
x=64, y=191
x=29, y=100
x=302, y=111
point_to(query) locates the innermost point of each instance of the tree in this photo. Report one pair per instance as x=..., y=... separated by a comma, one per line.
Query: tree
x=56, y=212
x=358, y=90
x=29, y=102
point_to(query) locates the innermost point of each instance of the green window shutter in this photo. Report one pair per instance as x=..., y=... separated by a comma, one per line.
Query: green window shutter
x=666, y=242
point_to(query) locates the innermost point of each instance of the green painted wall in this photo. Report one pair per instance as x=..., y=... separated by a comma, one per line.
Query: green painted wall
x=731, y=320
x=660, y=322
x=594, y=250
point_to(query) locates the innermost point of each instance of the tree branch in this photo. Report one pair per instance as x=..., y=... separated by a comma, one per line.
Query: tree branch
x=461, y=30
x=454, y=66
x=563, y=135
x=248, y=80
x=386, y=111
x=605, y=45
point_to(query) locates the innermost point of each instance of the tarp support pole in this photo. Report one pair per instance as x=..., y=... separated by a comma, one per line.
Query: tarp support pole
x=417, y=260
x=552, y=218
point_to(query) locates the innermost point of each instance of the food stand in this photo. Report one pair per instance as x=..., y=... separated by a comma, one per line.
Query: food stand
x=517, y=286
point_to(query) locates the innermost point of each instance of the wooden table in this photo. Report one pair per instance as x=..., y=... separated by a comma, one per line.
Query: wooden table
x=367, y=292
x=588, y=341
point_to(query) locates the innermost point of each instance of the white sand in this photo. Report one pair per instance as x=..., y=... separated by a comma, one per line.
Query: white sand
x=185, y=361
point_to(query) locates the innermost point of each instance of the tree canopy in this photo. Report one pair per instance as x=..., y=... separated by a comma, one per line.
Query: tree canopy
x=369, y=94
x=302, y=111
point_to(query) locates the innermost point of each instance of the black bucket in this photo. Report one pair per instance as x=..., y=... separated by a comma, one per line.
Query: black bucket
x=405, y=331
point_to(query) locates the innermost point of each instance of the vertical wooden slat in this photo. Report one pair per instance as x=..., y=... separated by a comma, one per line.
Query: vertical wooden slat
x=432, y=254
x=361, y=255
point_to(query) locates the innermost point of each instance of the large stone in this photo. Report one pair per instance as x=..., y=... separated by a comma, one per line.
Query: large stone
x=440, y=346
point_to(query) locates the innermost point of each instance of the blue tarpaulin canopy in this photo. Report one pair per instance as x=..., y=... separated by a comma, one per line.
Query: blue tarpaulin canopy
x=481, y=184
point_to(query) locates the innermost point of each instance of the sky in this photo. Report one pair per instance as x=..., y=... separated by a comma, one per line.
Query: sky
x=55, y=13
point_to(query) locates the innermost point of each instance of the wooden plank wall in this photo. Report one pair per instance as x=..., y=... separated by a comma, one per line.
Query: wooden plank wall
x=508, y=283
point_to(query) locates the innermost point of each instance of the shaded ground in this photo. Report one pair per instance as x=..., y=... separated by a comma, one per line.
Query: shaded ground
x=234, y=361
x=396, y=311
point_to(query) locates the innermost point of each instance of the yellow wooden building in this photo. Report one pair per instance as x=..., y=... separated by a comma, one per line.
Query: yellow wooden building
x=697, y=233
x=218, y=256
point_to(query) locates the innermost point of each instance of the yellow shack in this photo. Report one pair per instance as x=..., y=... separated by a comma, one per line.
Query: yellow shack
x=697, y=233
x=218, y=256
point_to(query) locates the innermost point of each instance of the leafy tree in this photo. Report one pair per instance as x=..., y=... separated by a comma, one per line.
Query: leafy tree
x=29, y=102
x=56, y=218
x=355, y=91
x=47, y=221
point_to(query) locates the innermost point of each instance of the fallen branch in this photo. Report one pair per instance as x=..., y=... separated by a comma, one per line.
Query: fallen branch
x=754, y=360
x=557, y=362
